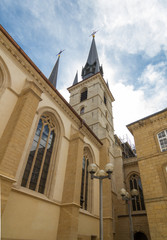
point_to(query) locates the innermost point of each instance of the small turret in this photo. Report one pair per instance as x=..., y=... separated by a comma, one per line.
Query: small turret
x=54, y=73
x=75, y=79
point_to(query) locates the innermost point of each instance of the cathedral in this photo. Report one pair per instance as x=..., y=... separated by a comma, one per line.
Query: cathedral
x=47, y=146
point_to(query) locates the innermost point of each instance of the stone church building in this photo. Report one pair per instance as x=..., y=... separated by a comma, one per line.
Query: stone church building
x=47, y=145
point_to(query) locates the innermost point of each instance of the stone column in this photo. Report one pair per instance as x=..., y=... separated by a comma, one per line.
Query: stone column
x=15, y=136
x=69, y=214
x=107, y=194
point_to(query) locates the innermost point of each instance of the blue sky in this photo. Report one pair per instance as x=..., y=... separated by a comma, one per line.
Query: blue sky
x=131, y=44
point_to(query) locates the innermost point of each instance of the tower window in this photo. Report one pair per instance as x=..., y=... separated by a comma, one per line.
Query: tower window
x=162, y=138
x=37, y=167
x=82, y=110
x=105, y=99
x=84, y=94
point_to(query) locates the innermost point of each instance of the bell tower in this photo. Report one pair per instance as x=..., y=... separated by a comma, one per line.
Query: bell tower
x=92, y=98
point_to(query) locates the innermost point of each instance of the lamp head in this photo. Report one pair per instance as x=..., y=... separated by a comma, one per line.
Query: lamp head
x=92, y=168
x=109, y=168
x=101, y=173
x=123, y=192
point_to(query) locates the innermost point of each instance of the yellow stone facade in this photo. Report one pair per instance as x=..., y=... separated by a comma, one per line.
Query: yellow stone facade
x=153, y=170
x=25, y=96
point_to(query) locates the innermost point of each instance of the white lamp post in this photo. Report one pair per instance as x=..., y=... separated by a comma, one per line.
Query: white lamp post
x=126, y=196
x=101, y=174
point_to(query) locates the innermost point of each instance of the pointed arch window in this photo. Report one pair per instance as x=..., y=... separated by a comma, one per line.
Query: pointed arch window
x=86, y=184
x=84, y=94
x=162, y=138
x=138, y=202
x=37, y=167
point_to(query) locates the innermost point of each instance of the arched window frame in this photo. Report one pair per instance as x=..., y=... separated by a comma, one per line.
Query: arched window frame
x=59, y=132
x=84, y=94
x=137, y=202
x=162, y=139
x=5, y=77
x=86, y=195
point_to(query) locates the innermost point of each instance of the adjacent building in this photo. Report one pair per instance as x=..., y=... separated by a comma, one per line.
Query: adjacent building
x=150, y=135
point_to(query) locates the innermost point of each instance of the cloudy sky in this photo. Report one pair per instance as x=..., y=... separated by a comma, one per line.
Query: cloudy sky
x=131, y=44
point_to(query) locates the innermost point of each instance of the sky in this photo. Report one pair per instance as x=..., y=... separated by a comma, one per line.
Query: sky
x=131, y=42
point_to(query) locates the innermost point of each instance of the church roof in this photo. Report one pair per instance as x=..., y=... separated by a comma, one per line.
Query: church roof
x=54, y=73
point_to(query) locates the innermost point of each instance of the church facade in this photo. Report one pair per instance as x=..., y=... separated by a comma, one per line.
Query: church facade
x=47, y=145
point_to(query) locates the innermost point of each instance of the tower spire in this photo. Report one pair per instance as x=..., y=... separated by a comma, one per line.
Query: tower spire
x=75, y=79
x=54, y=73
x=92, y=65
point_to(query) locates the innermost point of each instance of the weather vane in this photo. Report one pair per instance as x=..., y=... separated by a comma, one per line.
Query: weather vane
x=60, y=53
x=93, y=33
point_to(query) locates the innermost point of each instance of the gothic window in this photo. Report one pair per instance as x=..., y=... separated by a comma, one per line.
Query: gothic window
x=84, y=94
x=86, y=184
x=162, y=138
x=137, y=202
x=37, y=167
x=82, y=110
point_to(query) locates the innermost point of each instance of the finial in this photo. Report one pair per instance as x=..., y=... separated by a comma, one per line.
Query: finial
x=93, y=33
x=60, y=53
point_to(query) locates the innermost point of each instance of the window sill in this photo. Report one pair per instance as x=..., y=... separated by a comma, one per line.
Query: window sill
x=34, y=194
x=85, y=212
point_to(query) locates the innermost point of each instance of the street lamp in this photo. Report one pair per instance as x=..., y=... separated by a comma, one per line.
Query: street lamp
x=127, y=198
x=101, y=174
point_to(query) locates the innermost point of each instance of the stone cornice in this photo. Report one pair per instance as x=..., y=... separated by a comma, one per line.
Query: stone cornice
x=155, y=199
x=42, y=82
x=147, y=120
x=152, y=156
x=130, y=161
x=97, y=75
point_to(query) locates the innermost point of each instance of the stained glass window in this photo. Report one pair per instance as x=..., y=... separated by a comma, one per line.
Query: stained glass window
x=36, y=170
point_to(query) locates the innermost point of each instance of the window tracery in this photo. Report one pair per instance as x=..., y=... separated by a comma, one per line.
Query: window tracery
x=86, y=184
x=137, y=202
x=37, y=167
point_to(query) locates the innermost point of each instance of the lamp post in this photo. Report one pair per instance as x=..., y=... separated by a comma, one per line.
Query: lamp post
x=101, y=174
x=127, y=198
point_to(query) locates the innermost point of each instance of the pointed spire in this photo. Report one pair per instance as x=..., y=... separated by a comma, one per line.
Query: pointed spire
x=75, y=79
x=54, y=73
x=92, y=65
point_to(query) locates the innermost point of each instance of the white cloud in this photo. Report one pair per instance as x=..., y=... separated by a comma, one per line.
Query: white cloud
x=129, y=26
x=133, y=25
